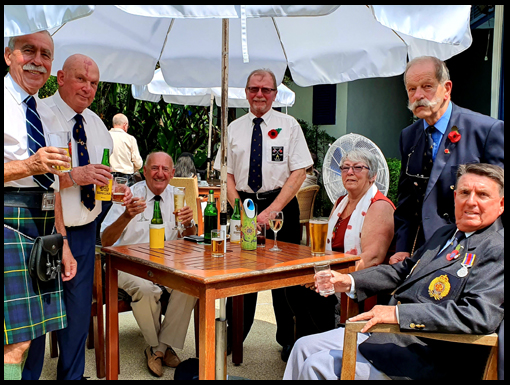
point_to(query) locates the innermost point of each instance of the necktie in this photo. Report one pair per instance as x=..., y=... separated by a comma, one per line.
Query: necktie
x=87, y=192
x=428, y=162
x=449, y=252
x=36, y=139
x=255, y=174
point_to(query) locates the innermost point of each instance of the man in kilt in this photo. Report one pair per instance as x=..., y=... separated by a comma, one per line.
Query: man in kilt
x=31, y=307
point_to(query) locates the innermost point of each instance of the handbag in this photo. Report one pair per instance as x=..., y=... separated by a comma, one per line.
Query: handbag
x=45, y=259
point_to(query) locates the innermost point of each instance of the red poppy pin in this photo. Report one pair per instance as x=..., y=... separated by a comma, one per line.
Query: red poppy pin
x=274, y=133
x=454, y=135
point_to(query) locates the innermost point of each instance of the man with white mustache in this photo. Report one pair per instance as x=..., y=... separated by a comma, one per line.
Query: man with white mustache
x=431, y=149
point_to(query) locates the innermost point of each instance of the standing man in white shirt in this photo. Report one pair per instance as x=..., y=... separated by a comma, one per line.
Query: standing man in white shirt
x=78, y=81
x=122, y=226
x=30, y=309
x=125, y=159
x=267, y=157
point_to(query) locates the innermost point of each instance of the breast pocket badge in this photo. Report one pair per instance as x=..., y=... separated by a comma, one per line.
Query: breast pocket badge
x=277, y=153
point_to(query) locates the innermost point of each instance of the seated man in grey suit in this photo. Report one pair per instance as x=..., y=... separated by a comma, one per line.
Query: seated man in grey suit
x=453, y=284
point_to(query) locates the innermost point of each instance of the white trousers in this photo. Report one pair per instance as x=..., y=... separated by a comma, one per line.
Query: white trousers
x=146, y=308
x=319, y=357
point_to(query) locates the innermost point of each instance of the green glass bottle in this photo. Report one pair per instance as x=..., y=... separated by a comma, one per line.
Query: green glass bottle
x=157, y=219
x=235, y=223
x=210, y=217
x=104, y=193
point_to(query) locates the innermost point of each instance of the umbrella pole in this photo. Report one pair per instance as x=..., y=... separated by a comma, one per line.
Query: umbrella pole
x=221, y=323
x=210, y=136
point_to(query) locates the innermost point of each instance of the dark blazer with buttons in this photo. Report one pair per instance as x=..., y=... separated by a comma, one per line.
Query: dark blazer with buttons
x=473, y=305
x=482, y=141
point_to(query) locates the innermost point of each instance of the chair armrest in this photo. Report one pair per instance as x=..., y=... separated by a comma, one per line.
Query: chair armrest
x=353, y=328
x=486, y=340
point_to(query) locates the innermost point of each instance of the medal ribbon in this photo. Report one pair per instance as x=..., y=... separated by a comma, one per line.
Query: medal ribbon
x=469, y=259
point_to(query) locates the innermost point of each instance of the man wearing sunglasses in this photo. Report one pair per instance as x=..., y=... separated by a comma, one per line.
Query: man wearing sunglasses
x=267, y=156
x=445, y=136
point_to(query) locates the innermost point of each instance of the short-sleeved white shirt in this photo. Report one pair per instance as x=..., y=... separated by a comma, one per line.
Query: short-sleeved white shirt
x=98, y=138
x=138, y=232
x=15, y=127
x=282, y=155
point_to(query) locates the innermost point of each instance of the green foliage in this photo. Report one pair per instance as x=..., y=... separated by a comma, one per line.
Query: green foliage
x=318, y=143
x=49, y=88
x=394, y=167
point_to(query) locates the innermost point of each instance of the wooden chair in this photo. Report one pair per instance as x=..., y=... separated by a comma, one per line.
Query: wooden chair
x=306, y=199
x=353, y=328
x=192, y=198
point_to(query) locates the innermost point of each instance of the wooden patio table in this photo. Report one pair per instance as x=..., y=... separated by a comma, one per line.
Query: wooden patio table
x=191, y=269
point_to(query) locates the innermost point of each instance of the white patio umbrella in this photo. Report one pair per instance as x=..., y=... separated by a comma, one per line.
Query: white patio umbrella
x=158, y=88
x=344, y=43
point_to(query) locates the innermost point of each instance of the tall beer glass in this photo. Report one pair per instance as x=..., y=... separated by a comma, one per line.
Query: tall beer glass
x=318, y=235
x=178, y=204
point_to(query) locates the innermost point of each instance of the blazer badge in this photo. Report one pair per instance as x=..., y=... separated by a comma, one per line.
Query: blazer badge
x=439, y=287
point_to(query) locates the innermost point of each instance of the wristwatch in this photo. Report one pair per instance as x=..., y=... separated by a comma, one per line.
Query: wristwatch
x=72, y=180
x=191, y=224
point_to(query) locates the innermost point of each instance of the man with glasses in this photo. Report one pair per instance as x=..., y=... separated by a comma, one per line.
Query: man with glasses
x=431, y=149
x=267, y=156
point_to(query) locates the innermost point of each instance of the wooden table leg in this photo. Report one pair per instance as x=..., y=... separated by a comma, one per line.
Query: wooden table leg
x=112, y=322
x=207, y=360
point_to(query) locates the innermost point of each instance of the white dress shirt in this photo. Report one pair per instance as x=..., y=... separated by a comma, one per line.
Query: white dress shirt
x=15, y=127
x=138, y=232
x=274, y=172
x=98, y=138
x=126, y=157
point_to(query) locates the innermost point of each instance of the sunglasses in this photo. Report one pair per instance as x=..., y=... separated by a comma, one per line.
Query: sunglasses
x=355, y=169
x=255, y=90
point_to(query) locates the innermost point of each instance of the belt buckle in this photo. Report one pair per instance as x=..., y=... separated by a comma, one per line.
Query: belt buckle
x=259, y=198
x=48, y=202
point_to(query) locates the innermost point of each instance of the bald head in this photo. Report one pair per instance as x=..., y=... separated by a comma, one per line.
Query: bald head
x=78, y=81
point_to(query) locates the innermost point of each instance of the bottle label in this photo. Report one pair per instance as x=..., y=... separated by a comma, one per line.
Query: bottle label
x=104, y=193
x=235, y=230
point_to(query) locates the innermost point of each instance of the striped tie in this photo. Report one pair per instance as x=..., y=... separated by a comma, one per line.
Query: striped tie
x=87, y=192
x=36, y=140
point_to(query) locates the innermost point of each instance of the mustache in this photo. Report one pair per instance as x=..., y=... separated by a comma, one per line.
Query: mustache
x=31, y=67
x=423, y=103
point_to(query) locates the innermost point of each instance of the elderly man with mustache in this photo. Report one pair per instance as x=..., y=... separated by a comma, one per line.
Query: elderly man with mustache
x=432, y=148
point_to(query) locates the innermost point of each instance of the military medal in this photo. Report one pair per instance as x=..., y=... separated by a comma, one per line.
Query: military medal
x=468, y=261
x=439, y=287
x=455, y=253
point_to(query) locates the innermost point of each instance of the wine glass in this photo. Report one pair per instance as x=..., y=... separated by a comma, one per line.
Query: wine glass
x=142, y=194
x=179, y=193
x=276, y=223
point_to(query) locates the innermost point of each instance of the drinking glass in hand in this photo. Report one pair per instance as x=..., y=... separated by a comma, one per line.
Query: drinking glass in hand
x=142, y=194
x=323, y=279
x=276, y=223
x=178, y=204
x=119, y=189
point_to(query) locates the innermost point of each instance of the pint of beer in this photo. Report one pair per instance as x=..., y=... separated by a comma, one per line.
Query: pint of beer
x=318, y=235
x=217, y=239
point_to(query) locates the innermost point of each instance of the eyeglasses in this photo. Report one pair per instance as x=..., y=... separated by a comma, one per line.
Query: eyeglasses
x=407, y=167
x=355, y=169
x=265, y=91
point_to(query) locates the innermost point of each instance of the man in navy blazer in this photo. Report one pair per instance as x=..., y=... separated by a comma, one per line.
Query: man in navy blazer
x=460, y=136
x=453, y=284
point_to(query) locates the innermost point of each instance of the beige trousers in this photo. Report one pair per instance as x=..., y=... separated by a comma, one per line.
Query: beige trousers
x=146, y=307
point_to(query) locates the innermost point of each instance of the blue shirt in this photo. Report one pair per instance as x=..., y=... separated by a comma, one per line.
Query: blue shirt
x=440, y=126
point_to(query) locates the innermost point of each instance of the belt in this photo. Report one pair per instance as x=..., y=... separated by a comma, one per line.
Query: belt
x=261, y=196
x=121, y=174
x=30, y=198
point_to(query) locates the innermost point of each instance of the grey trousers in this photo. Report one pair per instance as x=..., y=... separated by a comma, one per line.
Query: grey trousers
x=147, y=309
x=319, y=357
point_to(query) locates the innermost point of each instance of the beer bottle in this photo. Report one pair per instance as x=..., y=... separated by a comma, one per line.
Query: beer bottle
x=157, y=219
x=104, y=193
x=210, y=217
x=235, y=223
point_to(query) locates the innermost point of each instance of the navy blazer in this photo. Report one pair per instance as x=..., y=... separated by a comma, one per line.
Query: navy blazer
x=482, y=141
x=473, y=304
